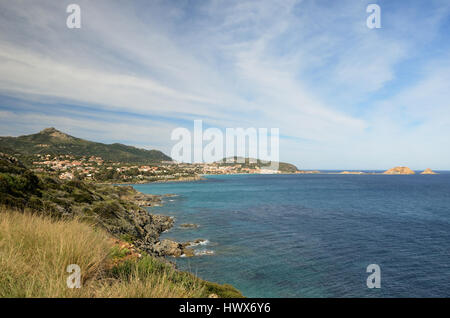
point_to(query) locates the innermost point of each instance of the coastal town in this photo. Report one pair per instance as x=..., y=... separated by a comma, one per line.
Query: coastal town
x=95, y=168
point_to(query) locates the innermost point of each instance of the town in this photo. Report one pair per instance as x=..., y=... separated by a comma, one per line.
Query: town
x=96, y=169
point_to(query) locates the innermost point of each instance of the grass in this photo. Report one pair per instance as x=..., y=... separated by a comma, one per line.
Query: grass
x=36, y=250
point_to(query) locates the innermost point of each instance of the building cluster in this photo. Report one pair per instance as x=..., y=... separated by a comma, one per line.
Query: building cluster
x=235, y=168
x=67, y=167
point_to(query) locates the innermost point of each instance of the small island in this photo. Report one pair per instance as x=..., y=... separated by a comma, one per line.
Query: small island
x=399, y=171
x=428, y=171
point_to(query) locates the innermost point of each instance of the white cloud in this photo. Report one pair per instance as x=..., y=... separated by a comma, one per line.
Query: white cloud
x=300, y=66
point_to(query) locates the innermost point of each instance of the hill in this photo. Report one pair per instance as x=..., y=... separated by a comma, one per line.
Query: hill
x=283, y=167
x=54, y=142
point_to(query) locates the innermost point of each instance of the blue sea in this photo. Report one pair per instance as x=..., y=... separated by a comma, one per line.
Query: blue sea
x=315, y=235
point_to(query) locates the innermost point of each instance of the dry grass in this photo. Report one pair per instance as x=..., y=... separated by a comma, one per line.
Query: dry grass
x=35, y=252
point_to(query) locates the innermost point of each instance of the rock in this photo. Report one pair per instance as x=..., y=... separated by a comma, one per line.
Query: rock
x=172, y=248
x=168, y=248
x=195, y=243
x=428, y=171
x=399, y=170
x=188, y=226
x=169, y=195
x=204, y=252
x=143, y=228
x=188, y=252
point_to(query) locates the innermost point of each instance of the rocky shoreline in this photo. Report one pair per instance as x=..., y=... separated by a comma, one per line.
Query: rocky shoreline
x=181, y=179
x=150, y=226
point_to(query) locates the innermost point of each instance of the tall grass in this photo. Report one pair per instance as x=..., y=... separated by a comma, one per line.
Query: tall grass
x=35, y=252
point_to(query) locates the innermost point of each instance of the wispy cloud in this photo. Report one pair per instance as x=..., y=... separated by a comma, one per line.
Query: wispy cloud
x=338, y=91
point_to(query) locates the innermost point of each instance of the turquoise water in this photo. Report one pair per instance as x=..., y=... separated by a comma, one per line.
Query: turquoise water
x=314, y=235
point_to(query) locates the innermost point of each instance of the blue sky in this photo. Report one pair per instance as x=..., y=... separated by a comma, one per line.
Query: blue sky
x=343, y=96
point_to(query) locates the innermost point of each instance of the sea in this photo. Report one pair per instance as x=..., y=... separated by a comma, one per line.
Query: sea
x=315, y=235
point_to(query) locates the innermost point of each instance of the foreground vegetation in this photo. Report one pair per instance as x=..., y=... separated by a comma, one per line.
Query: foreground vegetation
x=47, y=224
x=36, y=250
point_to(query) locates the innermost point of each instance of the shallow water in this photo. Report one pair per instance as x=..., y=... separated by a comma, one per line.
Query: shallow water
x=314, y=235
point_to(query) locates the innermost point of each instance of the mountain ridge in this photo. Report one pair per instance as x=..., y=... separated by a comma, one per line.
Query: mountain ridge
x=54, y=142
x=246, y=161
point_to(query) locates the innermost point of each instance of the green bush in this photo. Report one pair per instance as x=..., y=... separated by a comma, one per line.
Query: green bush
x=82, y=197
x=108, y=210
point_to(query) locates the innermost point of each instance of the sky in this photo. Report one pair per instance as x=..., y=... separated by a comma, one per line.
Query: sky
x=343, y=96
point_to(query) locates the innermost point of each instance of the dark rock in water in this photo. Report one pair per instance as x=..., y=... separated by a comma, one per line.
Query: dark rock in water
x=169, y=195
x=176, y=249
x=172, y=248
x=188, y=252
x=168, y=248
x=195, y=243
x=188, y=226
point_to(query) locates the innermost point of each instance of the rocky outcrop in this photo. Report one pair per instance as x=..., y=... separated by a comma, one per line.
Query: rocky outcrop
x=176, y=249
x=188, y=226
x=195, y=243
x=134, y=223
x=172, y=248
x=146, y=200
x=399, y=171
x=428, y=171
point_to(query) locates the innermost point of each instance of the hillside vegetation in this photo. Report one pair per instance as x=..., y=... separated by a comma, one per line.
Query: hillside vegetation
x=35, y=252
x=110, y=207
x=47, y=224
x=53, y=142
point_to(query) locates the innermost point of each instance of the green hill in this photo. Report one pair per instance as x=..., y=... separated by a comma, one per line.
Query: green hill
x=53, y=142
x=283, y=167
